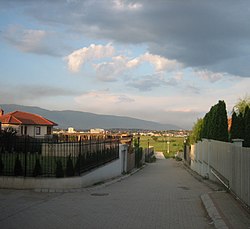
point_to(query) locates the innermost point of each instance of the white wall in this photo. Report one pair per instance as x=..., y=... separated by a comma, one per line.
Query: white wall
x=229, y=161
x=108, y=171
x=31, y=130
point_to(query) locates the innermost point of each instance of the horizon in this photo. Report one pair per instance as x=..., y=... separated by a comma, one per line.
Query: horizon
x=121, y=58
x=128, y=117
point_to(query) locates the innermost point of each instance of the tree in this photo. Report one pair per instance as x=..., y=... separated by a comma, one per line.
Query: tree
x=196, y=131
x=18, y=169
x=215, y=124
x=241, y=105
x=8, y=136
x=1, y=165
x=205, y=127
x=247, y=127
x=37, y=169
x=221, y=122
x=237, y=127
x=59, y=169
x=69, y=167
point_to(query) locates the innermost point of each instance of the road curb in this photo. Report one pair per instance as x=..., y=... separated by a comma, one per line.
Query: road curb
x=93, y=187
x=213, y=212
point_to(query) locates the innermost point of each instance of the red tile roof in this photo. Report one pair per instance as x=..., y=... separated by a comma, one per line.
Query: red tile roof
x=24, y=118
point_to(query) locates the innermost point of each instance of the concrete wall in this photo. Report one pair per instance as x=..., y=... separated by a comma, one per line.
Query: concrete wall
x=110, y=170
x=230, y=162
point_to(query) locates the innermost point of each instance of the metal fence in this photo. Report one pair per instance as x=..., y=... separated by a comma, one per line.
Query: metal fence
x=31, y=157
x=225, y=161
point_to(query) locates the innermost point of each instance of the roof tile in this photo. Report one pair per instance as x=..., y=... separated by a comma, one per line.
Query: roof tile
x=25, y=118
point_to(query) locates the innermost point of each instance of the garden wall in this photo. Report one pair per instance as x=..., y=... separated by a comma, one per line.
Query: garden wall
x=108, y=171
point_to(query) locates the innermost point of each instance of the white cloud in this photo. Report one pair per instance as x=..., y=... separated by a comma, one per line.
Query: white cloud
x=25, y=39
x=109, y=70
x=121, y=5
x=160, y=63
x=36, y=41
x=210, y=76
x=79, y=57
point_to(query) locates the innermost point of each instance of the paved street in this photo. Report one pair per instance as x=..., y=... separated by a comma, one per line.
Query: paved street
x=162, y=195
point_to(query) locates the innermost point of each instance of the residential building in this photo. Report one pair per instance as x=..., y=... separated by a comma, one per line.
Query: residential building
x=26, y=123
x=97, y=131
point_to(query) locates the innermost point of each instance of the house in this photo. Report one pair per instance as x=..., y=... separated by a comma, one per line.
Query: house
x=26, y=123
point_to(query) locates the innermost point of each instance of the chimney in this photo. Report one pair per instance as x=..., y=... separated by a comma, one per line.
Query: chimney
x=1, y=112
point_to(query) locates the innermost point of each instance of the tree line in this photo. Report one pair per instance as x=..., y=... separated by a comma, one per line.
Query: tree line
x=216, y=125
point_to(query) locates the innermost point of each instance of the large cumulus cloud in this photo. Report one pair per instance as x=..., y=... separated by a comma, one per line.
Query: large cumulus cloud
x=212, y=34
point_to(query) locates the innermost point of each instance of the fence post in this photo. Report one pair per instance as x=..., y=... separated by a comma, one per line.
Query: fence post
x=25, y=156
x=80, y=155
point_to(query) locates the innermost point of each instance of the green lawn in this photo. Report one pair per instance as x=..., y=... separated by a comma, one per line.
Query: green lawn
x=161, y=144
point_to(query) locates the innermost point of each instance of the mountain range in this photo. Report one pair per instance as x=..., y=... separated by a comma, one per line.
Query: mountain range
x=85, y=120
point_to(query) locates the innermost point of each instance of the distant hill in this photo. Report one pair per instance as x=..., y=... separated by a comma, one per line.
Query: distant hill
x=86, y=120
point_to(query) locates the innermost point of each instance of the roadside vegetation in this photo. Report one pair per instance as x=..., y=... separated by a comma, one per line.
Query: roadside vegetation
x=160, y=144
x=218, y=126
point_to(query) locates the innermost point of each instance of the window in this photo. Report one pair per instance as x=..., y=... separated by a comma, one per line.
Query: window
x=38, y=130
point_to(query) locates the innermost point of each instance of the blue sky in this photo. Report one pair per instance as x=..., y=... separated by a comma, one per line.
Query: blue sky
x=165, y=61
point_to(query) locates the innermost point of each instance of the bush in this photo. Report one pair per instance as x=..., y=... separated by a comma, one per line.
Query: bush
x=177, y=158
x=18, y=169
x=59, y=169
x=78, y=165
x=1, y=166
x=69, y=167
x=150, y=159
x=37, y=169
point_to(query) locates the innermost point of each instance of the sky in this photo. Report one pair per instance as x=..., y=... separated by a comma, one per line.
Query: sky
x=167, y=61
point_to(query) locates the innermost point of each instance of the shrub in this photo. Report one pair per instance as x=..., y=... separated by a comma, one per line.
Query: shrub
x=1, y=166
x=59, y=169
x=37, y=169
x=69, y=167
x=78, y=165
x=18, y=169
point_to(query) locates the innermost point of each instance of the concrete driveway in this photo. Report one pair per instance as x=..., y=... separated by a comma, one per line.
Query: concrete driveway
x=162, y=195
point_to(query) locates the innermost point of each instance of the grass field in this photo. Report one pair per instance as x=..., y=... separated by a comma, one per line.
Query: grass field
x=161, y=144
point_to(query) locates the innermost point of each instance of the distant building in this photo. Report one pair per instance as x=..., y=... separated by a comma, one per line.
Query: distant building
x=26, y=123
x=71, y=130
x=97, y=131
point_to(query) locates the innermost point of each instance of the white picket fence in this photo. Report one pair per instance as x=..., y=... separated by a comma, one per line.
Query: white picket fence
x=225, y=161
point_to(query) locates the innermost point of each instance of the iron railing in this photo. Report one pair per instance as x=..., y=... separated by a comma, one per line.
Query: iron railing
x=25, y=156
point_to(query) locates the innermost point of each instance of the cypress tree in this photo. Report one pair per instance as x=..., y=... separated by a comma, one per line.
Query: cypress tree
x=247, y=127
x=69, y=167
x=222, y=122
x=78, y=164
x=37, y=169
x=18, y=169
x=215, y=124
x=238, y=126
x=204, y=131
x=234, y=127
x=1, y=165
x=59, y=169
